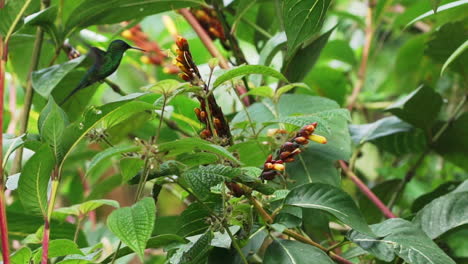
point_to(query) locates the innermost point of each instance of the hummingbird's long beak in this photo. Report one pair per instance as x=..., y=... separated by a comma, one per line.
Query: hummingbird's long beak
x=138, y=49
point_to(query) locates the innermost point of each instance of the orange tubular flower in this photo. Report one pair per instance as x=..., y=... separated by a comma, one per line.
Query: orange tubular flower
x=185, y=63
x=289, y=150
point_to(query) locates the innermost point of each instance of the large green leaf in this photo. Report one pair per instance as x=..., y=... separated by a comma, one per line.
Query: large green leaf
x=293, y=252
x=203, y=178
x=8, y=14
x=59, y=248
x=194, y=252
x=45, y=19
x=441, y=190
x=21, y=256
x=420, y=108
x=192, y=221
x=45, y=80
x=246, y=70
x=133, y=225
x=34, y=179
x=402, y=238
x=302, y=19
x=455, y=55
x=51, y=124
x=86, y=207
x=443, y=214
x=330, y=199
x=10, y=144
x=453, y=143
x=90, y=12
x=380, y=128
x=441, y=8
x=298, y=65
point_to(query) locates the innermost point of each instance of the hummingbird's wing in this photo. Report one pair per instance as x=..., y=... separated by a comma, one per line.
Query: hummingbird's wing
x=97, y=55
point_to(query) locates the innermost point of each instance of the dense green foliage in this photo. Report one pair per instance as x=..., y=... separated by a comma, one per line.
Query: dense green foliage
x=323, y=132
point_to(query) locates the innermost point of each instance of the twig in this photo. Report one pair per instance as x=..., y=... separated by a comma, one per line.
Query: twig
x=29, y=94
x=204, y=37
x=267, y=218
x=366, y=191
x=115, y=87
x=412, y=171
x=365, y=56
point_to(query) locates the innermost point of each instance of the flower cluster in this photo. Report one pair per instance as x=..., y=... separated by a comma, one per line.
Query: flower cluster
x=215, y=123
x=208, y=19
x=289, y=150
x=154, y=54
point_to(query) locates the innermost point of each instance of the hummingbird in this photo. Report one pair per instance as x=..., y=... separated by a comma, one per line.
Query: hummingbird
x=105, y=63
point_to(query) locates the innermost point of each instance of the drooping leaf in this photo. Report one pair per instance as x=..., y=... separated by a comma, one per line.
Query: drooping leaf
x=443, y=214
x=292, y=252
x=203, y=178
x=441, y=8
x=455, y=55
x=34, y=180
x=420, y=108
x=86, y=207
x=10, y=144
x=330, y=199
x=133, y=225
x=441, y=190
x=302, y=19
x=45, y=19
x=402, y=238
x=380, y=128
x=90, y=12
x=246, y=70
x=106, y=155
x=301, y=62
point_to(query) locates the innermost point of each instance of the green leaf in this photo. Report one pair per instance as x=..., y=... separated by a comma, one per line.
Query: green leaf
x=166, y=87
x=441, y=190
x=420, y=108
x=192, y=144
x=154, y=242
x=105, y=155
x=45, y=19
x=453, y=143
x=90, y=12
x=195, y=251
x=86, y=207
x=402, y=238
x=246, y=70
x=288, y=87
x=443, y=214
x=8, y=14
x=330, y=199
x=402, y=143
x=435, y=5
x=51, y=124
x=45, y=80
x=327, y=82
x=302, y=19
x=10, y=144
x=21, y=256
x=292, y=252
x=251, y=152
x=192, y=221
x=34, y=179
x=262, y=91
x=439, y=10
x=378, y=129
x=303, y=60
x=457, y=53
x=271, y=48
x=338, y=49
x=201, y=179
x=133, y=225
x=59, y=248
x=129, y=167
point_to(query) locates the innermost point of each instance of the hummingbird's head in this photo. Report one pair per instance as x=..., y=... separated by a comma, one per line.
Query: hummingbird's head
x=120, y=46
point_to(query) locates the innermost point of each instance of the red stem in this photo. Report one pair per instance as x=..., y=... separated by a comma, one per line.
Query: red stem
x=366, y=191
x=45, y=241
x=3, y=216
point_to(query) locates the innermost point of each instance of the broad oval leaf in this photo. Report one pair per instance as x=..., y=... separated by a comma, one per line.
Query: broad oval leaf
x=51, y=124
x=443, y=214
x=133, y=225
x=302, y=19
x=402, y=238
x=86, y=207
x=203, y=178
x=330, y=199
x=294, y=252
x=248, y=69
x=34, y=180
x=21, y=256
x=194, y=252
x=380, y=128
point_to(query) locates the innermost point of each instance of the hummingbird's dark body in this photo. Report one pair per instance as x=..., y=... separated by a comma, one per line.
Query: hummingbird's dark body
x=105, y=63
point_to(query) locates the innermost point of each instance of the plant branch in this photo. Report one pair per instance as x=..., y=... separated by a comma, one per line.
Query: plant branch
x=204, y=37
x=267, y=218
x=369, y=34
x=29, y=93
x=366, y=191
